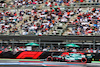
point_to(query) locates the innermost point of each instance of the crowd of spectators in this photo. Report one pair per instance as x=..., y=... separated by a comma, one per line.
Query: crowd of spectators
x=15, y=49
x=19, y=3
x=39, y=22
x=48, y=48
x=44, y=20
x=87, y=23
x=50, y=3
x=35, y=22
x=8, y=20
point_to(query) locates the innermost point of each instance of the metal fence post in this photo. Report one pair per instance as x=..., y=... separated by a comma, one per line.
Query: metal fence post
x=1, y=44
x=82, y=44
x=58, y=45
x=44, y=45
x=13, y=44
x=39, y=43
x=94, y=43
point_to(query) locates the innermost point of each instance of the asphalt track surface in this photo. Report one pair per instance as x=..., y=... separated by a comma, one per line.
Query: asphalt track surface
x=38, y=63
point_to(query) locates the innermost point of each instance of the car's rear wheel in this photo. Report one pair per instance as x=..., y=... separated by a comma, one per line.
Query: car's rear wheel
x=49, y=58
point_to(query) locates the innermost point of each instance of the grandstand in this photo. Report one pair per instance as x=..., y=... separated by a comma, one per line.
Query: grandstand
x=64, y=18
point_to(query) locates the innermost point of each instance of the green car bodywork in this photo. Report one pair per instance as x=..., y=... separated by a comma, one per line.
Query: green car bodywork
x=75, y=57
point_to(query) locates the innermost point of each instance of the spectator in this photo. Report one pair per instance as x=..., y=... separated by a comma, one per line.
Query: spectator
x=45, y=49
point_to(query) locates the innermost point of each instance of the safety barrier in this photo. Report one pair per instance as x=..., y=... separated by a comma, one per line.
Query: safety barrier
x=41, y=55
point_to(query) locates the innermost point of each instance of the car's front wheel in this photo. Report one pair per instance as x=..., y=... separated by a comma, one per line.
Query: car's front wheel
x=84, y=60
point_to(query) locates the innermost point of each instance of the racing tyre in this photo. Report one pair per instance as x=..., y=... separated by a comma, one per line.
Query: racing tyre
x=49, y=58
x=84, y=60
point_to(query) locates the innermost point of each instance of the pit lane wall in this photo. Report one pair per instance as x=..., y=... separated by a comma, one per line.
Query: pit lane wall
x=40, y=55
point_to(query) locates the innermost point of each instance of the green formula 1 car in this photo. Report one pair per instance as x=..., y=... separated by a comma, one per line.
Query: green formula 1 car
x=71, y=57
